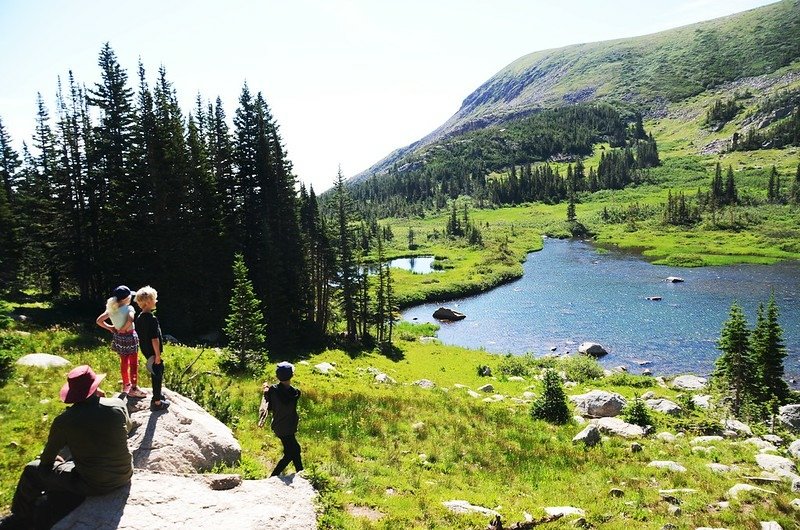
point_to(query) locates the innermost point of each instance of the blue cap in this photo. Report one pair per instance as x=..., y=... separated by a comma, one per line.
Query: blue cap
x=284, y=371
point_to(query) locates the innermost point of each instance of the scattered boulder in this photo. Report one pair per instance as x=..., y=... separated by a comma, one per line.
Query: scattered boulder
x=445, y=313
x=702, y=400
x=563, y=511
x=425, y=383
x=383, y=378
x=762, y=445
x=183, y=439
x=42, y=360
x=463, y=507
x=668, y=465
x=516, y=378
x=592, y=348
x=674, y=279
x=689, y=382
x=664, y=406
x=780, y=466
x=636, y=447
x=618, y=427
x=473, y=394
x=599, y=403
x=157, y=500
x=794, y=449
x=718, y=468
x=666, y=437
x=590, y=436
x=736, y=426
x=770, y=525
x=739, y=488
x=795, y=504
x=705, y=439
x=325, y=368
x=486, y=388
x=789, y=415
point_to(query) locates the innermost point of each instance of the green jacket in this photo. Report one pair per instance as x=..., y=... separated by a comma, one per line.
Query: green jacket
x=96, y=433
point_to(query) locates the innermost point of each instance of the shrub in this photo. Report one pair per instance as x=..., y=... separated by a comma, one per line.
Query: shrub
x=581, y=368
x=9, y=348
x=636, y=412
x=516, y=365
x=633, y=381
x=551, y=405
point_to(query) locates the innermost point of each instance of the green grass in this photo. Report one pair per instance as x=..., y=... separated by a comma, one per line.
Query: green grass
x=403, y=450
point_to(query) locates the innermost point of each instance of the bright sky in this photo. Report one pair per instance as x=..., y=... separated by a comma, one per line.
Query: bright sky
x=348, y=81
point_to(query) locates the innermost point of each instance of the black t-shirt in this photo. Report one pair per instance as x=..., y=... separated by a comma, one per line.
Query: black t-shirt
x=148, y=329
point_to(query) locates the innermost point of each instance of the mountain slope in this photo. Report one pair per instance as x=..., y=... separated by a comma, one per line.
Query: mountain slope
x=647, y=72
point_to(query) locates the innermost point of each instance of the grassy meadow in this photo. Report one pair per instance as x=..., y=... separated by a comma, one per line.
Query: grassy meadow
x=386, y=456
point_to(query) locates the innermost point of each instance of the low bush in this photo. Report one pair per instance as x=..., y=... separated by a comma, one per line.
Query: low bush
x=581, y=368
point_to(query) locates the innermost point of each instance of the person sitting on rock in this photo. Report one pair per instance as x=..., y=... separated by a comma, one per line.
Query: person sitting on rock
x=94, y=430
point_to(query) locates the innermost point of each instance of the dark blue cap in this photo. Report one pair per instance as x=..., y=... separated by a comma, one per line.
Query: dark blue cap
x=284, y=371
x=121, y=293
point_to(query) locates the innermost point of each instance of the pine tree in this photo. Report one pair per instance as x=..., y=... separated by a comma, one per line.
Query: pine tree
x=736, y=369
x=347, y=271
x=9, y=163
x=551, y=405
x=769, y=352
x=245, y=323
x=731, y=195
x=9, y=247
x=794, y=194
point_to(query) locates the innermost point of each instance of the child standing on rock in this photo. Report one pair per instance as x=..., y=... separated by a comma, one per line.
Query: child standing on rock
x=152, y=343
x=125, y=342
x=281, y=399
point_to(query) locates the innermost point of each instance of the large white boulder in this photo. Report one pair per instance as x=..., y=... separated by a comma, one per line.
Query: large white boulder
x=664, y=406
x=599, y=404
x=182, y=439
x=43, y=360
x=157, y=500
x=689, y=382
x=618, y=427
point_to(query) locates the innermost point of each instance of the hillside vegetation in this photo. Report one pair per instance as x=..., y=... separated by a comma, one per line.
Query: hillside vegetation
x=648, y=71
x=386, y=456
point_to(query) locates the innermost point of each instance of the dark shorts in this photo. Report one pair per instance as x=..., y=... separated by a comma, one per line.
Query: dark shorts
x=125, y=343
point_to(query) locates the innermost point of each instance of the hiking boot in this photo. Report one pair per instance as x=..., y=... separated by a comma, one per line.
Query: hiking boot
x=135, y=392
x=163, y=405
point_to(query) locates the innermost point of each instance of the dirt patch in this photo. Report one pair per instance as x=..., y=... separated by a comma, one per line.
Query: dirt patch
x=364, y=511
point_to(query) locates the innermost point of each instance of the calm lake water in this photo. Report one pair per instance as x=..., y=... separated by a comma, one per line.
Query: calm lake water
x=572, y=293
x=416, y=264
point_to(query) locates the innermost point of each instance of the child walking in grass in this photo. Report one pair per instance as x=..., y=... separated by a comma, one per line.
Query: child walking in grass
x=152, y=343
x=125, y=341
x=281, y=400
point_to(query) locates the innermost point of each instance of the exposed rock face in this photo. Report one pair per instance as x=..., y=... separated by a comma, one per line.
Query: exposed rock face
x=445, y=313
x=663, y=405
x=592, y=348
x=156, y=501
x=789, y=415
x=689, y=382
x=599, y=404
x=182, y=439
x=43, y=360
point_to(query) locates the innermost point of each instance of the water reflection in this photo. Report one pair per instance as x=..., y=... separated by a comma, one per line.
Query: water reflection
x=415, y=264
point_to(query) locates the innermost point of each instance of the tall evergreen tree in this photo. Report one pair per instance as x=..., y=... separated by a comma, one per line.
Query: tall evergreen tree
x=736, y=368
x=731, y=195
x=347, y=270
x=770, y=351
x=110, y=163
